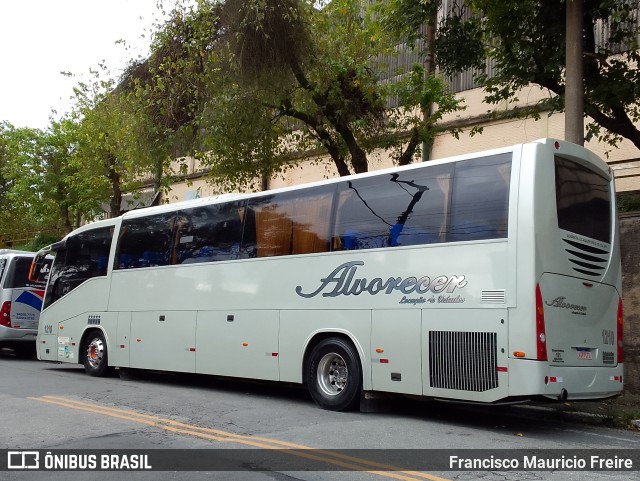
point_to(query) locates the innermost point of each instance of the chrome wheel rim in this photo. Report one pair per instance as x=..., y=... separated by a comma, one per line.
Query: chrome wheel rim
x=95, y=353
x=332, y=374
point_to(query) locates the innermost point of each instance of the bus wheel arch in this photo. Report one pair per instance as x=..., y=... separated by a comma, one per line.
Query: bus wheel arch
x=333, y=372
x=94, y=353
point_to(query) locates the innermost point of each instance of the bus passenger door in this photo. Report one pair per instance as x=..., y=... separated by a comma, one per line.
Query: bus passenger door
x=163, y=340
x=396, y=358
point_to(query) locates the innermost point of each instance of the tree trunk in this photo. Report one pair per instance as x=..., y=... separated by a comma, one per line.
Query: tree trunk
x=359, y=159
x=358, y=156
x=414, y=140
x=116, y=191
x=64, y=218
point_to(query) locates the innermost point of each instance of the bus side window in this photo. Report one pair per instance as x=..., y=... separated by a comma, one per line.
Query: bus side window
x=146, y=242
x=480, y=199
x=398, y=209
x=296, y=222
x=210, y=233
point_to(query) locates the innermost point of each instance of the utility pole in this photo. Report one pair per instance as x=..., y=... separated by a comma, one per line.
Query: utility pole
x=574, y=82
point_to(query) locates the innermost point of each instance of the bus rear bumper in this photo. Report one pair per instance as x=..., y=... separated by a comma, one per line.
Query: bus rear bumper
x=528, y=378
x=10, y=335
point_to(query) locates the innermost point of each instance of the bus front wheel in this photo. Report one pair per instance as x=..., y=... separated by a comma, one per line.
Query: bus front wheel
x=96, y=359
x=334, y=375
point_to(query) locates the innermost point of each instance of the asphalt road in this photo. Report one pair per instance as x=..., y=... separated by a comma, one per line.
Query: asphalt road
x=228, y=429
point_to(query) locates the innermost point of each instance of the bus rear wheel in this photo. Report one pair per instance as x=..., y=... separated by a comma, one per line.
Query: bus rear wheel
x=334, y=375
x=96, y=359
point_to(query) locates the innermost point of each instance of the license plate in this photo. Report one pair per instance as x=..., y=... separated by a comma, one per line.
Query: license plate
x=584, y=355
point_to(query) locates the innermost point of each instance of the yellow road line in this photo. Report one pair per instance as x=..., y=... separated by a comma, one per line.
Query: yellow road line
x=329, y=457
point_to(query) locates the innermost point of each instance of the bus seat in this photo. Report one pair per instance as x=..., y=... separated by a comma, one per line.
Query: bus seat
x=101, y=265
x=127, y=261
x=151, y=258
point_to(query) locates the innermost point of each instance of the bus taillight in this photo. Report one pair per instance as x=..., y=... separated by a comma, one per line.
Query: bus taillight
x=541, y=336
x=620, y=332
x=5, y=314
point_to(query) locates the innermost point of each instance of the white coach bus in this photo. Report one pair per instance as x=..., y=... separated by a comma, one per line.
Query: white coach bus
x=488, y=278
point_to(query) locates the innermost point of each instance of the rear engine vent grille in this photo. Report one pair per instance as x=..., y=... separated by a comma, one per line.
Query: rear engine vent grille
x=466, y=361
x=587, y=259
x=495, y=297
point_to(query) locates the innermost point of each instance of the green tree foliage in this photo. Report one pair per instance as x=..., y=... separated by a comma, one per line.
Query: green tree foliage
x=168, y=90
x=4, y=161
x=251, y=86
x=45, y=186
x=25, y=207
x=107, y=140
x=7, y=221
x=423, y=97
x=295, y=79
x=298, y=71
x=526, y=40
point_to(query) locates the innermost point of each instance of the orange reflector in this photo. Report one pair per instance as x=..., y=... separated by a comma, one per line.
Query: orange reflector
x=245, y=344
x=62, y=328
x=518, y=354
x=379, y=351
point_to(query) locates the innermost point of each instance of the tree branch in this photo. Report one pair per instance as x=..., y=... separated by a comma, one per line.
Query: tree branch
x=323, y=135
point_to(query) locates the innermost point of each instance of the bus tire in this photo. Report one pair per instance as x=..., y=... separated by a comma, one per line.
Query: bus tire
x=96, y=357
x=334, y=375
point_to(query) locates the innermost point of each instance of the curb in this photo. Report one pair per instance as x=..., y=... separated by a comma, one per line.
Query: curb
x=609, y=420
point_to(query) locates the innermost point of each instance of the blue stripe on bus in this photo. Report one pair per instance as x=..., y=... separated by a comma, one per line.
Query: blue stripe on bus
x=30, y=299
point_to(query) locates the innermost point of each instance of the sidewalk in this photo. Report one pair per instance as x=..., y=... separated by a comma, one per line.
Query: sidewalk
x=621, y=412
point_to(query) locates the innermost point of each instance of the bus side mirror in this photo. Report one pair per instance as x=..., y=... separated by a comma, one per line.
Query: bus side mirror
x=40, y=269
x=41, y=265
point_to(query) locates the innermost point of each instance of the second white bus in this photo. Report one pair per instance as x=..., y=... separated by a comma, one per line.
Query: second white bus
x=488, y=278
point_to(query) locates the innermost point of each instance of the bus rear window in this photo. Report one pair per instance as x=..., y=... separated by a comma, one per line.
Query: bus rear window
x=18, y=274
x=583, y=200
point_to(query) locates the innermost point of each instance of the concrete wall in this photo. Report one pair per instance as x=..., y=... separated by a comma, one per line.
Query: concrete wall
x=630, y=246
